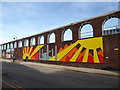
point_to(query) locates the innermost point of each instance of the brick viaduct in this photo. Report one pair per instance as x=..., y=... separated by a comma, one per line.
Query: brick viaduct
x=110, y=42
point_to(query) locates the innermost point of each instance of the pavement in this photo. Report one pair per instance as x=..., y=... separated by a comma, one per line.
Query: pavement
x=78, y=69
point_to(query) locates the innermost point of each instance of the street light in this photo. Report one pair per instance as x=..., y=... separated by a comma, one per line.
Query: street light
x=15, y=38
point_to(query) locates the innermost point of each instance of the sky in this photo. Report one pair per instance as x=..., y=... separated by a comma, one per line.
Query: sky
x=22, y=19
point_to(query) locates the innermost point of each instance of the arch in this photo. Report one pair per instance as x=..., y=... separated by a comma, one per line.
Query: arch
x=20, y=44
x=8, y=46
x=41, y=40
x=11, y=45
x=32, y=41
x=15, y=44
x=51, y=38
x=66, y=35
x=4, y=46
x=26, y=43
x=111, y=26
x=85, y=31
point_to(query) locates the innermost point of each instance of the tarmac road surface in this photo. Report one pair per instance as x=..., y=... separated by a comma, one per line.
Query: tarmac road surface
x=15, y=75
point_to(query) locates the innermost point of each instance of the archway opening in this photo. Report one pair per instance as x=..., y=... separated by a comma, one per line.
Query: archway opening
x=51, y=38
x=8, y=47
x=41, y=40
x=11, y=45
x=15, y=44
x=111, y=26
x=86, y=31
x=20, y=44
x=26, y=43
x=32, y=42
x=67, y=35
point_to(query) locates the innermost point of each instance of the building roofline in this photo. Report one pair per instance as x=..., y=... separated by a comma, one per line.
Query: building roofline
x=98, y=16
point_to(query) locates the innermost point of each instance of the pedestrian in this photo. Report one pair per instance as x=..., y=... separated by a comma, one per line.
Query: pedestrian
x=26, y=59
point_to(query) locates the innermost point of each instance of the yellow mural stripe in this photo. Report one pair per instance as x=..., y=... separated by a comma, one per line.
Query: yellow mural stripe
x=74, y=58
x=24, y=56
x=96, y=59
x=85, y=59
x=64, y=52
x=91, y=43
x=30, y=50
x=36, y=50
x=101, y=43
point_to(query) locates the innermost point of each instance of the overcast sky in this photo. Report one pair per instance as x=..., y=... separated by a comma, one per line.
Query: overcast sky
x=22, y=19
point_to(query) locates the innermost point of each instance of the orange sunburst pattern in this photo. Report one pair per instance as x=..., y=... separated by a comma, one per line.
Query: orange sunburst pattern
x=86, y=50
x=68, y=56
x=31, y=52
x=100, y=55
x=81, y=55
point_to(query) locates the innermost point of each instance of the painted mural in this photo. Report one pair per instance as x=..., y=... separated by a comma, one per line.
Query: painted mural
x=31, y=52
x=86, y=51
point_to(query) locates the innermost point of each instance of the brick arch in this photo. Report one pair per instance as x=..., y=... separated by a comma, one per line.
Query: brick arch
x=63, y=34
x=39, y=39
x=49, y=36
x=33, y=41
x=8, y=45
x=81, y=26
x=106, y=19
x=20, y=43
x=11, y=45
x=15, y=44
x=26, y=42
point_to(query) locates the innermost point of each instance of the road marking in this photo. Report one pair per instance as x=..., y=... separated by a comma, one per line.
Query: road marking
x=10, y=85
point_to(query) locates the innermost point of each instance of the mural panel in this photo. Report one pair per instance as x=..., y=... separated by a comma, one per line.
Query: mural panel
x=86, y=50
x=31, y=52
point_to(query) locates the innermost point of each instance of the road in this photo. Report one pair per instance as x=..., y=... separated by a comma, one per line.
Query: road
x=16, y=75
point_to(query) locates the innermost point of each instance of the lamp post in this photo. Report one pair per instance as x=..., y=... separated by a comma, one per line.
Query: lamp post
x=15, y=38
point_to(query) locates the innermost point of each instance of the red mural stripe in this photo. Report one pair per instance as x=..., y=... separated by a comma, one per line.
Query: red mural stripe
x=60, y=50
x=65, y=46
x=70, y=43
x=101, y=59
x=35, y=56
x=32, y=51
x=90, y=58
x=25, y=50
x=69, y=55
x=80, y=57
x=100, y=56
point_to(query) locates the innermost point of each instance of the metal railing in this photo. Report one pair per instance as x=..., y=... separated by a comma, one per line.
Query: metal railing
x=111, y=30
x=87, y=34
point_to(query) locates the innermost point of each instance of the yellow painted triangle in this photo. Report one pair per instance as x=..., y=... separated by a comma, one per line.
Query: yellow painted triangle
x=74, y=58
x=30, y=50
x=64, y=52
x=85, y=59
x=96, y=60
x=36, y=50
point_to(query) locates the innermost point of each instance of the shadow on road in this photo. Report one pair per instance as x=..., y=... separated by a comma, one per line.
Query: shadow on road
x=44, y=77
